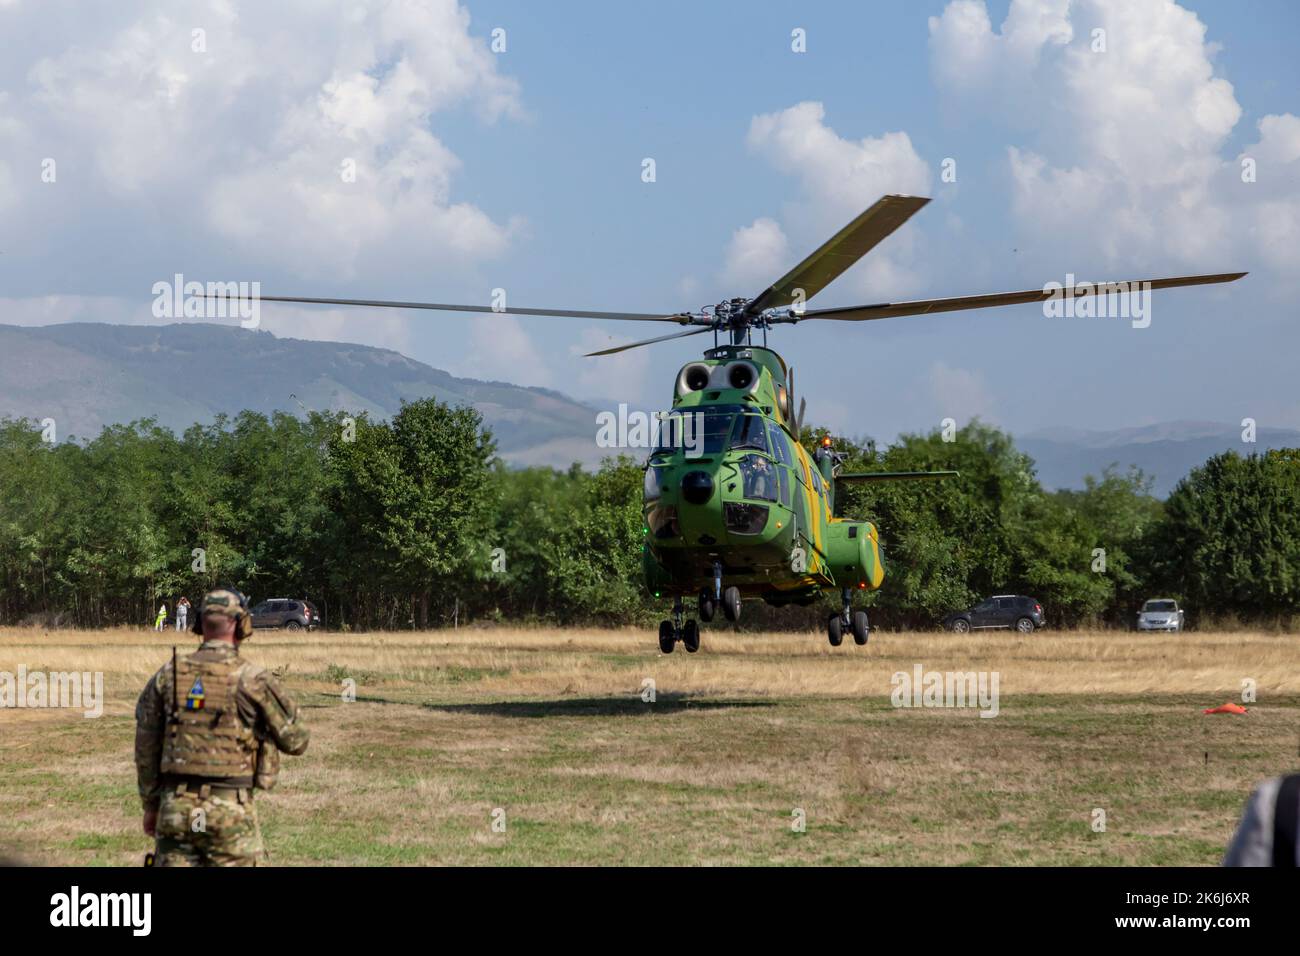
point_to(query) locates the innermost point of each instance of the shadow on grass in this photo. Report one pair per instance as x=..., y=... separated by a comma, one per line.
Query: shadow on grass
x=630, y=706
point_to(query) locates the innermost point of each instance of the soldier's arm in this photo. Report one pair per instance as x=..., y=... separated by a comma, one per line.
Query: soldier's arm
x=1252, y=844
x=150, y=725
x=278, y=711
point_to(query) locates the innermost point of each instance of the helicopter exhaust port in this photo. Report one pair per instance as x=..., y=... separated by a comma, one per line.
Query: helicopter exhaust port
x=697, y=487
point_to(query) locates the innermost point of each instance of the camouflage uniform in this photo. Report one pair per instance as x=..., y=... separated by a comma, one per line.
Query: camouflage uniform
x=204, y=742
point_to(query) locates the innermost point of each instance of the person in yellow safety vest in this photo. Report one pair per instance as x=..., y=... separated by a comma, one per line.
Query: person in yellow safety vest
x=161, y=618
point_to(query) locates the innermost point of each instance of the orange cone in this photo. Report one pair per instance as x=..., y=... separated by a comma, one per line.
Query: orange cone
x=1228, y=708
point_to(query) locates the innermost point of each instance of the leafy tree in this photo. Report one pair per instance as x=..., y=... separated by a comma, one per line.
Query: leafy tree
x=1230, y=538
x=393, y=524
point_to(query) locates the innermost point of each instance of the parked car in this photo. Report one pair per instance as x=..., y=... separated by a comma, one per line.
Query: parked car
x=286, y=613
x=1160, y=614
x=1025, y=614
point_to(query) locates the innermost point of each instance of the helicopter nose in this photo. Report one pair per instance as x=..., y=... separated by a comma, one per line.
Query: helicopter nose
x=697, y=487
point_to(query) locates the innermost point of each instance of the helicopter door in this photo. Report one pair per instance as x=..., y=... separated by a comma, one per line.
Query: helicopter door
x=785, y=462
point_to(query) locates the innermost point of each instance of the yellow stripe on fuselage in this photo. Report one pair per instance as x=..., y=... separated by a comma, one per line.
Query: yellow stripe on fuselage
x=878, y=571
x=814, y=500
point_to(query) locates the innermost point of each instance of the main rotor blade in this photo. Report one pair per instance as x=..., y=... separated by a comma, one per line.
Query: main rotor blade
x=636, y=345
x=839, y=252
x=386, y=304
x=885, y=310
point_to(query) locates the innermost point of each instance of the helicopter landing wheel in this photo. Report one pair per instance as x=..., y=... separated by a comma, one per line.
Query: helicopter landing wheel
x=860, y=629
x=691, y=636
x=731, y=604
x=707, y=606
x=835, y=630
x=667, y=637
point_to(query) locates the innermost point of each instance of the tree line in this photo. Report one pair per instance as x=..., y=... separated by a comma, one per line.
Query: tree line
x=415, y=522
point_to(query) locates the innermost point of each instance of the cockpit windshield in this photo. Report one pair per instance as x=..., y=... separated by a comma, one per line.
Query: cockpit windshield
x=696, y=431
x=749, y=432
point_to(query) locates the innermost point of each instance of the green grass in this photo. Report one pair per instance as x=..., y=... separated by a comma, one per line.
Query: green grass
x=711, y=773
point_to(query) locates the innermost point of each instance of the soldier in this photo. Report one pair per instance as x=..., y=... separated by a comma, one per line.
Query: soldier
x=1268, y=834
x=209, y=730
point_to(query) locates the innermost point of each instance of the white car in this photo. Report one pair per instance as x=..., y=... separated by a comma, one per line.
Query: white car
x=1161, y=614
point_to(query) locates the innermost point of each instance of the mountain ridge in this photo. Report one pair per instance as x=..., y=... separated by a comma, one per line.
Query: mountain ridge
x=86, y=375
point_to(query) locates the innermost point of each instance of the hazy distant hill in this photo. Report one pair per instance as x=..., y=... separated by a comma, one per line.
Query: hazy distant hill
x=87, y=375
x=1167, y=451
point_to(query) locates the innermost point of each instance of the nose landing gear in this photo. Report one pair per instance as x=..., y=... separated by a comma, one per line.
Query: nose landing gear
x=847, y=620
x=677, y=629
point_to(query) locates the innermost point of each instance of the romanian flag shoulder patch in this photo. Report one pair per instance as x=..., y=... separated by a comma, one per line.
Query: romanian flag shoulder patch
x=194, y=699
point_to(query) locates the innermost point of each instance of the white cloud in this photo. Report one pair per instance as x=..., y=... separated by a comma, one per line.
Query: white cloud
x=839, y=178
x=968, y=57
x=241, y=144
x=843, y=175
x=757, y=256
x=1130, y=155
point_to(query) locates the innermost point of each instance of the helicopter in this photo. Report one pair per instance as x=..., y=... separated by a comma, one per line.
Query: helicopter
x=734, y=506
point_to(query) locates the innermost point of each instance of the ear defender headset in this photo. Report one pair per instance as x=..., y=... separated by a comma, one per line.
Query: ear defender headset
x=243, y=619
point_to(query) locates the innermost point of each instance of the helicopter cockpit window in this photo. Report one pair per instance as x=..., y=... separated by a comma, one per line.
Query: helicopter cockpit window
x=750, y=432
x=759, y=477
x=782, y=447
x=654, y=483
x=696, y=431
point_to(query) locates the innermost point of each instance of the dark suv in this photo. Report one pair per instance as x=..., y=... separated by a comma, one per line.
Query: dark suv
x=282, y=612
x=1025, y=614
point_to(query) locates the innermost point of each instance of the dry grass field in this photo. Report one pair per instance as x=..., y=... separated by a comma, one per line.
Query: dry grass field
x=550, y=727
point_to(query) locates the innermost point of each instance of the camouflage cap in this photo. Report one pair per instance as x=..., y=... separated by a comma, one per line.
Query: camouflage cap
x=221, y=601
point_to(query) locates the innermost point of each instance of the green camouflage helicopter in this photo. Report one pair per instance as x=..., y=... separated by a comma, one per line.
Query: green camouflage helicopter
x=734, y=506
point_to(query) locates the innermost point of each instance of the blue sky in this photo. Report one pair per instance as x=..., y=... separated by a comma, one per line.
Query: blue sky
x=522, y=170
